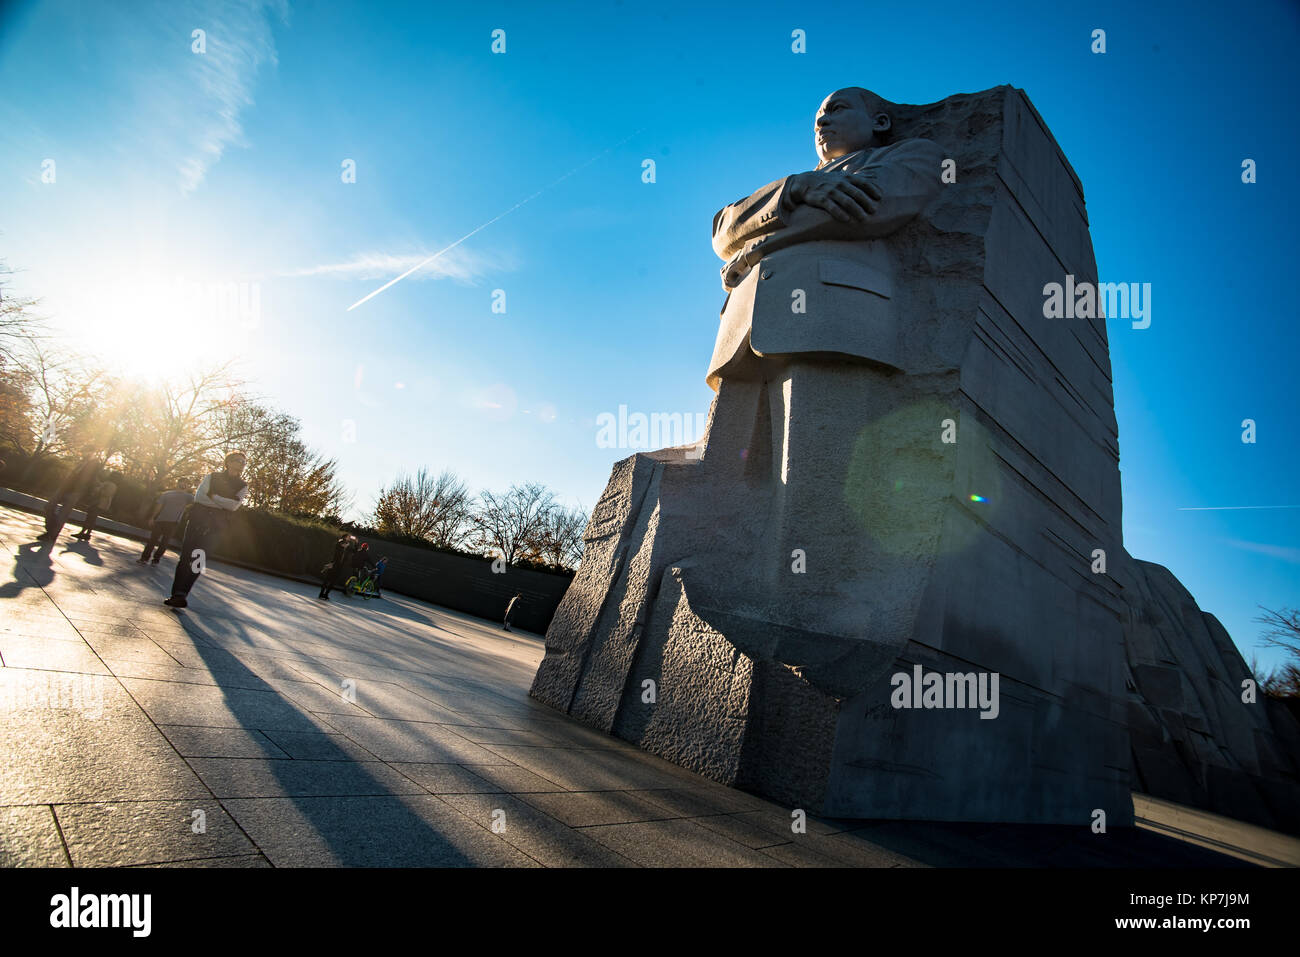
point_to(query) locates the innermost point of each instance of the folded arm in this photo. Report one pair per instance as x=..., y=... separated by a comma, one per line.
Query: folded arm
x=205, y=496
x=760, y=212
x=854, y=202
x=907, y=178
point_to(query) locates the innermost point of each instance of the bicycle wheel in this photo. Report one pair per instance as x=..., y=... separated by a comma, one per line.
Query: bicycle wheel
x=350, y=586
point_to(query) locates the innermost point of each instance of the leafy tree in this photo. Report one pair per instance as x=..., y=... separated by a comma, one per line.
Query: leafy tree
x=282, y=472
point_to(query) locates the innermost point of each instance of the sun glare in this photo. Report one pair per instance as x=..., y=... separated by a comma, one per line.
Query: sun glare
x=151, y=325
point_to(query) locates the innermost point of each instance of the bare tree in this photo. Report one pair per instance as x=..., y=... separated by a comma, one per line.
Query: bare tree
x=182, y=427
x=561, y=540
x=18, y=320
x=67, y=402
x=436, y=509
x=1282, y=631
x=513, y=525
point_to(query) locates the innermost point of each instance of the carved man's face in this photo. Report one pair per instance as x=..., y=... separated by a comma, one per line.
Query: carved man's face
x=844, y=124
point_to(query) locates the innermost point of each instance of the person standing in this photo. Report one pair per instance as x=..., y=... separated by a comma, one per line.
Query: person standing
x=379, y=573
x=338, y=565
x=101, y=499
x=360, y=560
x=69, y=492
x=505, y=622
x=217, y=496
x=166, y=516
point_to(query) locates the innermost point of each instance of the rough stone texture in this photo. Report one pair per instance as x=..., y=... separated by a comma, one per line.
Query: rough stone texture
x=1194, y=740
x=968, y=557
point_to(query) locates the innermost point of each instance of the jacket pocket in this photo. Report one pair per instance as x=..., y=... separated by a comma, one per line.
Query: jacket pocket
x=843, y=272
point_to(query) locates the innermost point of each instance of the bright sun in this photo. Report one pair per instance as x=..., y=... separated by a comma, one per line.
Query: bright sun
x=154, y=324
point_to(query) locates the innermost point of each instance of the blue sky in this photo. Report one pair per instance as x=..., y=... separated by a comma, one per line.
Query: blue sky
x=225, y=167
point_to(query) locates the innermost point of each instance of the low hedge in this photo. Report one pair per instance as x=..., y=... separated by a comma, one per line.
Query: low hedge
x=285, y=543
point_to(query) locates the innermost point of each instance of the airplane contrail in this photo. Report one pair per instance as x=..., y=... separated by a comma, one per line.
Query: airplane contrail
x=421, y=265
x=1229, y=508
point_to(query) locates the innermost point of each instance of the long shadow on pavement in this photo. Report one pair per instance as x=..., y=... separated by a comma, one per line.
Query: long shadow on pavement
x=365, y=822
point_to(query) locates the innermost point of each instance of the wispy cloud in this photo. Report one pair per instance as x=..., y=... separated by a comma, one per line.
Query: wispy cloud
x=1285, y=553
x=462, y=265
x=239, y=42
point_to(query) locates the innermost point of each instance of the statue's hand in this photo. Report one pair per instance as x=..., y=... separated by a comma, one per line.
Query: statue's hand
x=846, y=196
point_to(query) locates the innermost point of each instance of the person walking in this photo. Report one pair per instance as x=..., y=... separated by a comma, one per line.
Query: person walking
x=338, y=565
x=166, y=516
x=505, y=623
x=69, y=492
x=101, y=499
x=217, y=496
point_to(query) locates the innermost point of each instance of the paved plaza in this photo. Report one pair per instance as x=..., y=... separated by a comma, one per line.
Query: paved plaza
x=263, y=727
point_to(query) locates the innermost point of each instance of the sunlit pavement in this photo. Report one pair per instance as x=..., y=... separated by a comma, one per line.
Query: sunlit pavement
x=263, y=727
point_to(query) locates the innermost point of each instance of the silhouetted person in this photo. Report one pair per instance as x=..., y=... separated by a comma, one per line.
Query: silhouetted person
x=101, y=499
x=70, y=491
x=338, y=566
x=217, y=496
x=360, y=560
x=166, y=516
x=505, y=623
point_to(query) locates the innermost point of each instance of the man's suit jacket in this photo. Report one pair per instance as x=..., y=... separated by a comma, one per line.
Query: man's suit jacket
x=780, y=255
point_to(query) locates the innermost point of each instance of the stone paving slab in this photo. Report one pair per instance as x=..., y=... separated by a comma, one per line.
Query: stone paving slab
x=241, y=861
x=448, y=779
x=516, y=780
x=255, y=778
x=201, y=742
x=146, y=832
x=168, y=702
x=319, y=746
x=70, y=737
x=29, y=837
x=590, y=808
x=21, y=651
x=121, y=717
x=592, y=769
x=679, y=842
x=223, y=677
x=405, y=831
x=412, y=741
x=540, y=836
x=703, y=801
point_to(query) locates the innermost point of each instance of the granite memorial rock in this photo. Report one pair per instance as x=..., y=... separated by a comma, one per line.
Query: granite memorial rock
x=908, y=470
